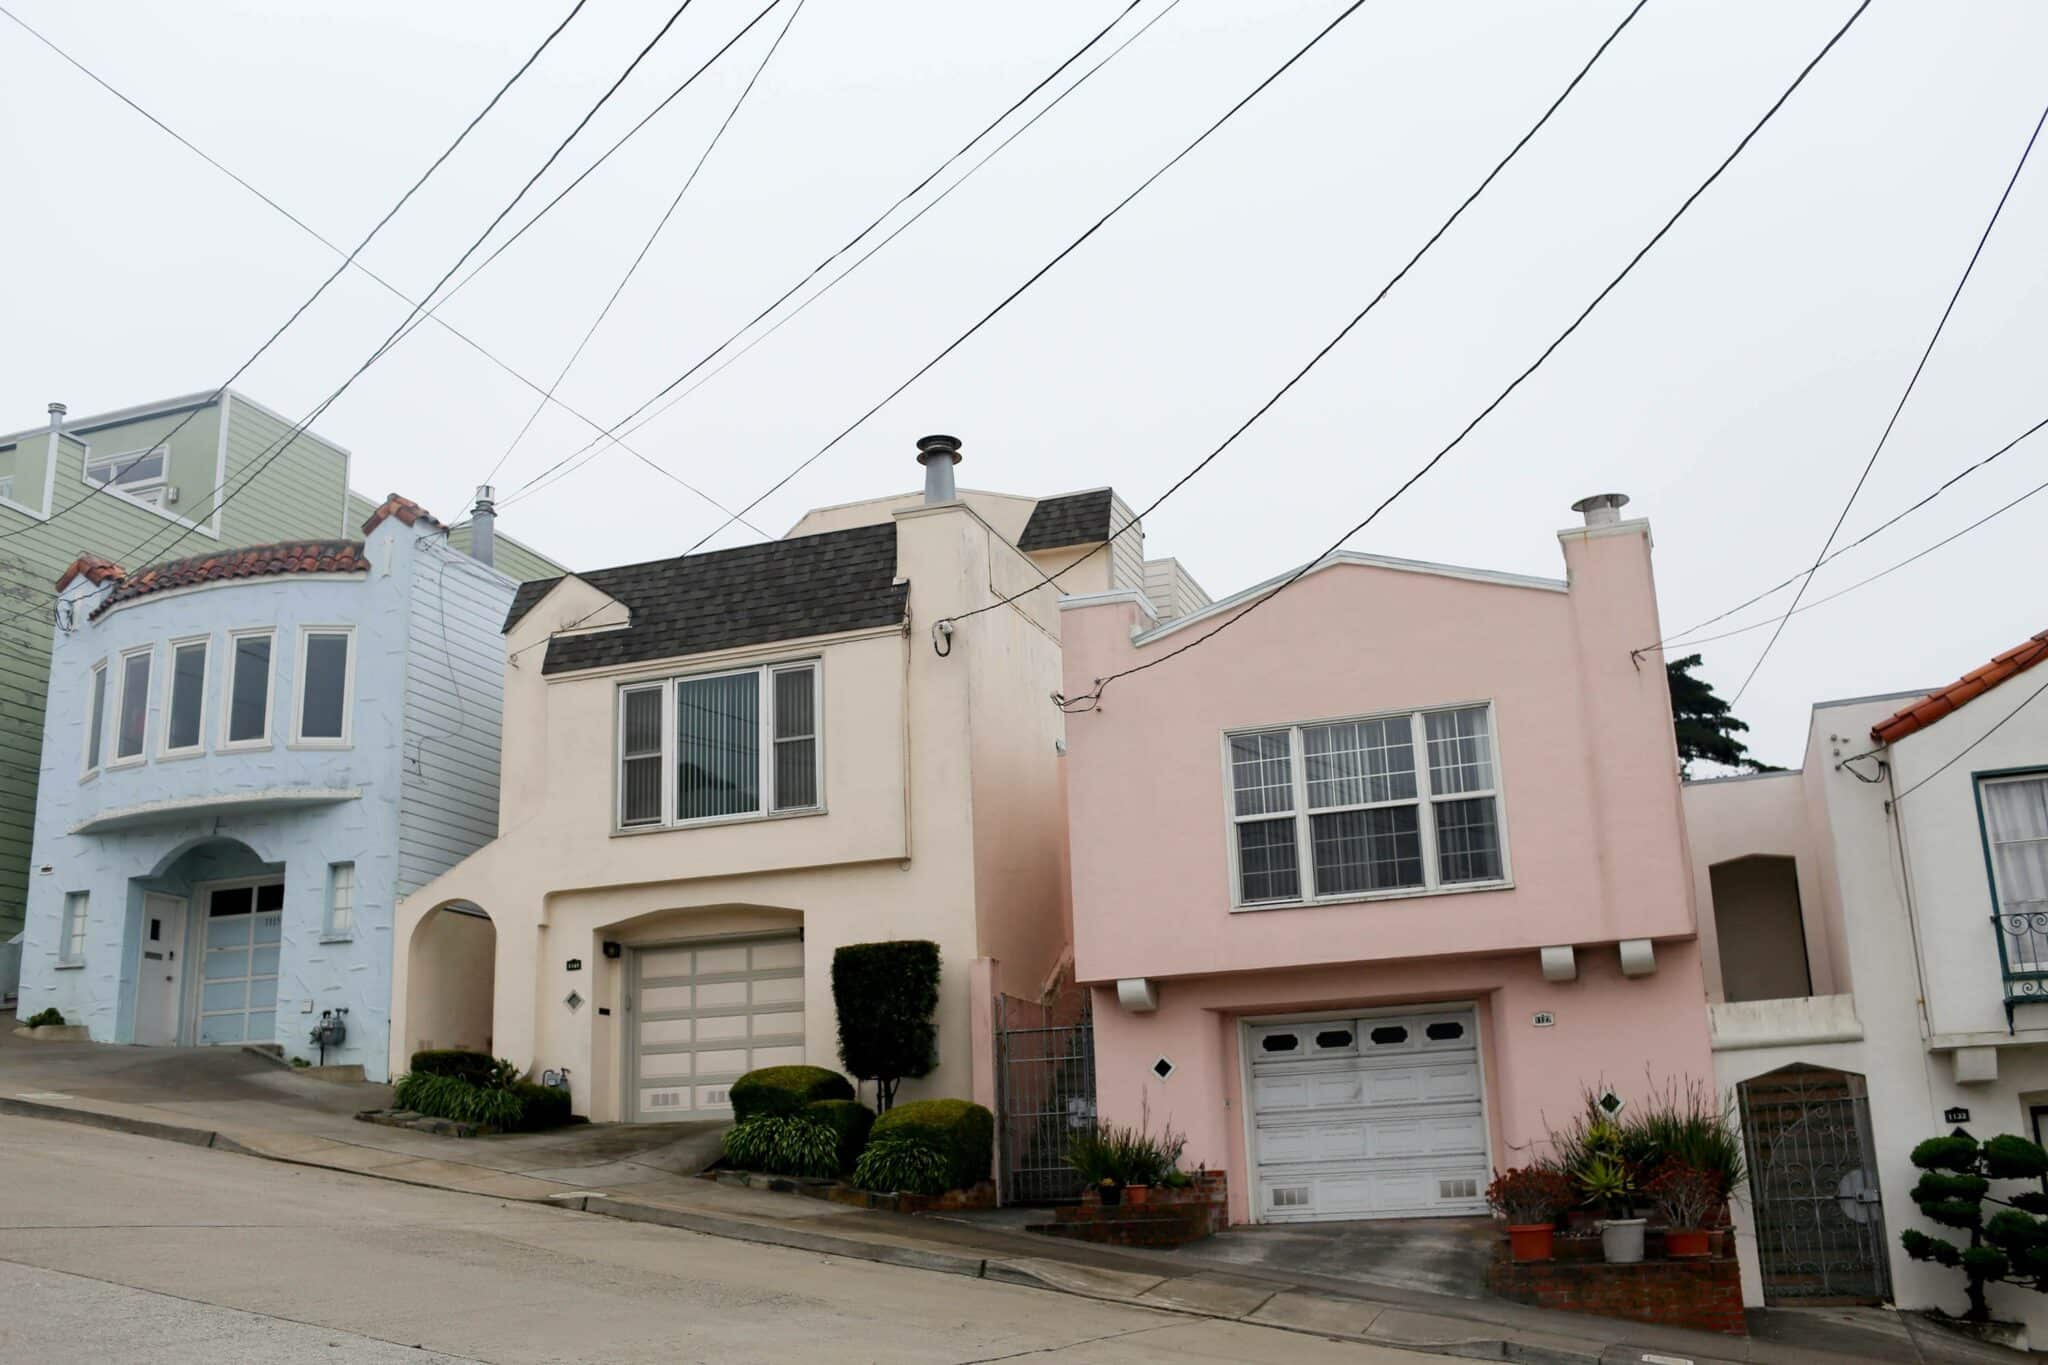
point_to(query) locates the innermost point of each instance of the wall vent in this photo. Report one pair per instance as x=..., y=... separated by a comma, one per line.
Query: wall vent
x=1467, y=1188
x=1290, y=1197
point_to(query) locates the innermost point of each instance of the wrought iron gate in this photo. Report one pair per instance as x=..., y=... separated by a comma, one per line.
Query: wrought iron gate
x=1813, y=1177
x=1045, y=1093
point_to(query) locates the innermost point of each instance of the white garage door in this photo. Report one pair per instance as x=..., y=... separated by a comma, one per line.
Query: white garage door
x=1372, y=1117
x=705, y=1014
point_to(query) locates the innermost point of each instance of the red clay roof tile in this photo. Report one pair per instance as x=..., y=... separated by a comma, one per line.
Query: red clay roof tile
x=253, y=561
x=94, y=568
x=406, y=510
x=1974, y=684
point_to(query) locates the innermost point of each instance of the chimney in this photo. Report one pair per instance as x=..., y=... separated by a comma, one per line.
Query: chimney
x=57, y=411
x=1602, y=509
x=483, y=526
x=938, y=455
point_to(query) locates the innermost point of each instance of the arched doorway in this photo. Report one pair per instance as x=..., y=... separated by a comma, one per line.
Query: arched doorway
x=211, y=932
x=451, y=979
x=1813, y=1183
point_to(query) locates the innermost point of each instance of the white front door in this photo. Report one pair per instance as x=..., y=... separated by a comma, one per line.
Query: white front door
x=162, y=969
x=238, y=973
x=1372, y=1116
x=705, y=1014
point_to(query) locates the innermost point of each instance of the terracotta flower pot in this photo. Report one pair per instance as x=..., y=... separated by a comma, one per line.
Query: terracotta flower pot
x=1531, y=1241
x=1683, y=1242
x=1137, y=1194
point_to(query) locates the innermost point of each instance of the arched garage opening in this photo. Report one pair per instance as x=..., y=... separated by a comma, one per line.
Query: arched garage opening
x=451, y=979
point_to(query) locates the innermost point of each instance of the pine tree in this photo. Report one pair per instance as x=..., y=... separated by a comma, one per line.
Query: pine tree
x=1705, y=728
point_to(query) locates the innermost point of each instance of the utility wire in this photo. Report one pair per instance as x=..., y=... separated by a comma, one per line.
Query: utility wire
x=1342, y=332
x=1047, y=268
x=1091, y=700
x=646, y=247
x=540, y=480
x=1678, y=637
x=1900, y=407
x=278, y=447
x=94, y=490
x=2024, y=703
x=356, y=263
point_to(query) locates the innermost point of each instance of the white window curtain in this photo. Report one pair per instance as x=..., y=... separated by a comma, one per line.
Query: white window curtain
x=2016, y=826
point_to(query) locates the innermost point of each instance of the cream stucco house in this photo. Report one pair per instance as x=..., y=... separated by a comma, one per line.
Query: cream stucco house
x=719, y=768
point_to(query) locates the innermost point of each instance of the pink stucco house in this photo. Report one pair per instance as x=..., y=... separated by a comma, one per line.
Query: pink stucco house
x=1370, y=890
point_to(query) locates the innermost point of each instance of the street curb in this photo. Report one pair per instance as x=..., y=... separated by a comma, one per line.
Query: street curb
x=113, y=1123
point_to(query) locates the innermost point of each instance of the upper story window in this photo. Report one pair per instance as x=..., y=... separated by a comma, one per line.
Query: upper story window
x=96, y=718
x=326, y=685
x=138, y=473
x=2016, y=838
x=1376, y=806
x=718, y=746
x=132, y=724
x=248, y=689
x=184, y=720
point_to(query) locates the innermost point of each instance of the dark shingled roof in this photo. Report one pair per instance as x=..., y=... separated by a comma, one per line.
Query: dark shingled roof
x=756, y=594
x=1070, y=519
x=255, y=561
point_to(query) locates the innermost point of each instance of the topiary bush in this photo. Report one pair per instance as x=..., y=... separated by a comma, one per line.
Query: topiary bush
x=902, y=1163
x=2011, y=1247
x=478, y=1068
x=849, y=1121
x=886, y=995
x=783, y=1144
x=785, y=1090
x=960, y=1131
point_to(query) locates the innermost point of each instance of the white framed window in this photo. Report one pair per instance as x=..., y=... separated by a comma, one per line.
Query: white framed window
x=141, y=474
x=96, y=718
x=326, y=686
x=1391, y=805
x=71, y=933
x=131, y=724
x=245, y=700
x=2015, y=817
x=184, y=727
x=340, y=920
x=738, y=744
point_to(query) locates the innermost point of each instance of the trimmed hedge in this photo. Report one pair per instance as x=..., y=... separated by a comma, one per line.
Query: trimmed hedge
x=886, y=994
x=478, y=1068
x=541, y=1106
x=963, y=1131
x=785, y=1089
x=849, y=1121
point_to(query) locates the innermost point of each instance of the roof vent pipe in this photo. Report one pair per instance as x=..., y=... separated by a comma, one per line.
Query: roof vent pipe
x=483, y=526
x=938, y=455
x=1602, y=509
x=57, y=411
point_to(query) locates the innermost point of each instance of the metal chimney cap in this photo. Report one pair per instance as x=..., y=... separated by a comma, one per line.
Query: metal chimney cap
x=930, y=447
x=58, y=409
x=1602, y=509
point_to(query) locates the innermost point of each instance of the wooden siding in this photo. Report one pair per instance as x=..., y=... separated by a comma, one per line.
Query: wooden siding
x=1170, y=589
x=1126, y=552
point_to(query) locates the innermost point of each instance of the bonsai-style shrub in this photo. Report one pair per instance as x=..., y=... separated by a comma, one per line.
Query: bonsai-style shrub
x=783, y=1144
x=44, y=1019
x=849, y=1121
x=785, y=1090
x=1528, y=1196
x=478, y=1068
x=2011, y=1246
x=886, y=994
x=907, y=1163
x=1687, y=1197
x=960, y=1131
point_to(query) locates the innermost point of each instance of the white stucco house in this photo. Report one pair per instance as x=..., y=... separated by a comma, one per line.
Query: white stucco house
x=1875, y=934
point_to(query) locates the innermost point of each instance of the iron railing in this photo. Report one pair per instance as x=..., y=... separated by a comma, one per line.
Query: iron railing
x=1045, y=1094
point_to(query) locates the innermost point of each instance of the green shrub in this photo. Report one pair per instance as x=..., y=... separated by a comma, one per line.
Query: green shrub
x=962, y=1132
x=478, y=1068
x=1115, y=1154
x=44, y=1019
x=886, y=995
x=785, y=1090
x=451, y=1097
x=541, y=1106
x=849, y=1121
x=2011, y=1246
x=783, y=1144
x=907, y=1163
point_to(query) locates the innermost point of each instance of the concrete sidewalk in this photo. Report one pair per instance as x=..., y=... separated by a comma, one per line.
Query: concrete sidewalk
x=647, y=1173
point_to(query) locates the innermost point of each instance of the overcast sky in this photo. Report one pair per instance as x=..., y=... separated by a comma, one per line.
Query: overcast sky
x=1733, y=386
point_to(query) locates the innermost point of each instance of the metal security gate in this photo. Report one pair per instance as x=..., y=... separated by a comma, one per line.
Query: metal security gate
x=1045, y=1093
x=1813, y=1180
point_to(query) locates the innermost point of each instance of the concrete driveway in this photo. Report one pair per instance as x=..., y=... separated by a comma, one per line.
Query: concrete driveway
x=1440, y=1256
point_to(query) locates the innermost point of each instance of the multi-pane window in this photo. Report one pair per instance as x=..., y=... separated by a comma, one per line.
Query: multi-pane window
x=135, y=471
x=183, y=723
x=248, y=689
x=1345, y=808
x=324, y=681
x=2016, y=833
x=341, y=901
x=71, y=933
x=719, y=745
x=96, y=719
x=132, y=723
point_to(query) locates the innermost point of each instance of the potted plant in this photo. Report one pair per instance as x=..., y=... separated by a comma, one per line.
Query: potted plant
x=1609, y=1182
x=1530, y=1198
x=1109, y=1192
x=1687, y=1197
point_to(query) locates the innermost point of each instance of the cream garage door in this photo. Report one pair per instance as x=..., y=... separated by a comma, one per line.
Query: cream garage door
x=705, y=1014
x=1378, y=1116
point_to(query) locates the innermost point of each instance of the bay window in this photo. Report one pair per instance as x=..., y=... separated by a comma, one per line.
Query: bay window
x=1345, y=809
x=184, y=710
x=718, y=746
x=96, y=719
x=326, y=682
x=132, y=720
x=247, y=695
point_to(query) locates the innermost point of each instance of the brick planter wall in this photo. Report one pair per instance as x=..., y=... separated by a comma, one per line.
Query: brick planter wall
x=1702, y=1294
x=1169, y=1218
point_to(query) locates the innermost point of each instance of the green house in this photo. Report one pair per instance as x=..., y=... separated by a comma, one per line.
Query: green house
x=135, y=486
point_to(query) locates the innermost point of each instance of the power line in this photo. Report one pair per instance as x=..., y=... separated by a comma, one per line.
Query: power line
x=94, y=490
x=1342, y=332
x=1678, y=637
x=540, y=480
x=1047, y=268
x=1900, y=407
x=365, y=270
x=1957, y=757
x=1091, y=700
x=648, y=246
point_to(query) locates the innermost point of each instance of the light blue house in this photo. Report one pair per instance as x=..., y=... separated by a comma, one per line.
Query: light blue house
x=248, y=757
